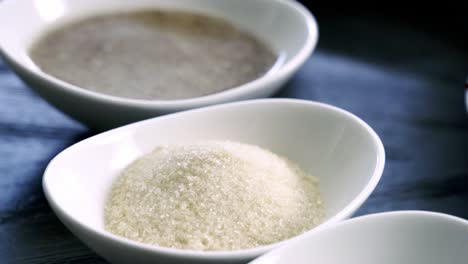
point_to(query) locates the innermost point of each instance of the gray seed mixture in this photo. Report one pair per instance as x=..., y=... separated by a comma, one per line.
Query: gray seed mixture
x=212, y=195
x=153, y=55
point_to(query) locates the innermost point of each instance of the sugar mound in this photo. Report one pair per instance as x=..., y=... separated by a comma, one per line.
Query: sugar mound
x=212, y=195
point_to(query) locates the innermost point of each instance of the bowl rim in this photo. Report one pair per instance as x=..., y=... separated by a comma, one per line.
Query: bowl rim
x=250, y=253
x=399, y=215
x=466, y=94
x=241, y=91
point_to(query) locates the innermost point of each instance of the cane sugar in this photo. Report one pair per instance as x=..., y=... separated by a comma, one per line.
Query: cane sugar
x=212, y=195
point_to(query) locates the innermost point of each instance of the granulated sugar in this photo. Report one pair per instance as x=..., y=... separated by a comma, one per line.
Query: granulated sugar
x=212, y=195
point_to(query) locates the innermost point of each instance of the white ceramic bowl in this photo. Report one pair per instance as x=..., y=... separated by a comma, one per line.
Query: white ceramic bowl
x=332, y=144
x=283, y=24
x=406, y=237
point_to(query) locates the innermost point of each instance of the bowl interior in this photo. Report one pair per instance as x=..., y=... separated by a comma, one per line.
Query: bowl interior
x=329, y=143
x=282, y=25
x=388, y=238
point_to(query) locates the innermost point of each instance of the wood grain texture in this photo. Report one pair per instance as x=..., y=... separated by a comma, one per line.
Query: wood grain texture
x=407, y=83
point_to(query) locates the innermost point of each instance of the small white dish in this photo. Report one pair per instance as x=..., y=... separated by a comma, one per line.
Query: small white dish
x=285, y=25
x=337, y=147
x=406, y=237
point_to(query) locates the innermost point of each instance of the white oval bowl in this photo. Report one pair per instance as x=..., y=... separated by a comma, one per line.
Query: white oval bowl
x=340, y=149
x=284, y=25
x=407, y=237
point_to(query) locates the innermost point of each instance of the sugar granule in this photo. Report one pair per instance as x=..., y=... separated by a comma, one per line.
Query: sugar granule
x=212, y=195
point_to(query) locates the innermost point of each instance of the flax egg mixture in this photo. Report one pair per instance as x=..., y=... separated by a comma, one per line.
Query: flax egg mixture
x=212, y=195
x=153, y=54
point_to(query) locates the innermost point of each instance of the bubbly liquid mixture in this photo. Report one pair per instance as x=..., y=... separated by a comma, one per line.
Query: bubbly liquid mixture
x=153, y=55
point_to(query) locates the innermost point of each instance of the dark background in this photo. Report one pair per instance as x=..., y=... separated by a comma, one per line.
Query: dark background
x=401, y=69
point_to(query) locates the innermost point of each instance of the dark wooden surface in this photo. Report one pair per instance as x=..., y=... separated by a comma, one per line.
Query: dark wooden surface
x=404, y=78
